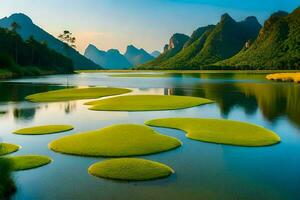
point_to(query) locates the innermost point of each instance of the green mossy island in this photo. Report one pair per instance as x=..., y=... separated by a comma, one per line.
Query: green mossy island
x=115, y=141
x=6, y=148
x=26, y=162
x=130, y=169
x=220, y=131
x=43, y=130
x=75, y=94
x=146, y=103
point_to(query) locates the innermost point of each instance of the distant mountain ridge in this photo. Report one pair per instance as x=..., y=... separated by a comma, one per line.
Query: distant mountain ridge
x=28, y=28
x=155, y=54
x=113, y=59
x=210, y=44
x=137, y=56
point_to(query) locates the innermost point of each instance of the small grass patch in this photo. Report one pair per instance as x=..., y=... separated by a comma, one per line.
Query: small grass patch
x=26, y=162
x=130, y=169
x=43, y=130
x=6, y=148
x=285, y=77
x=115, y=141
x=75, y=94
x=146, y=103
x=220, y=131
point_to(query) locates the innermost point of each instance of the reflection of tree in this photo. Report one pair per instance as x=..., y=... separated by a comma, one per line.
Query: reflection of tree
x=18, y=91
x=70, y=107
x=274, y=100
x=7, y=185
x=24, y=113
x=2, y=112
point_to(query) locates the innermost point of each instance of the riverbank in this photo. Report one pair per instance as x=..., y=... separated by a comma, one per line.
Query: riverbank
x=188, y=71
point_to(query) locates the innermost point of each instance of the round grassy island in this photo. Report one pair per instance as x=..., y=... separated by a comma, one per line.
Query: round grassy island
x=130, y=169
x=26, y=162
x=6, y=148
x=115, y=141
x=220, y=131
x=43, y=130
x=146, y=103
x=75, y=94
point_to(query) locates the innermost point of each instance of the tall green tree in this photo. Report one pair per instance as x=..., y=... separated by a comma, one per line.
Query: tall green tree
x=15, y=27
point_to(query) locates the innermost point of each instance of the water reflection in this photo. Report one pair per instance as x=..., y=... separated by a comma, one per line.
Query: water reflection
x=24, y=113
x=15, y=92
x=70, y=107
x=274, y=100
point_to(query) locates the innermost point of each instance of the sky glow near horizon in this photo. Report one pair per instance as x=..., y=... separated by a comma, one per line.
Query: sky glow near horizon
x=146, y=24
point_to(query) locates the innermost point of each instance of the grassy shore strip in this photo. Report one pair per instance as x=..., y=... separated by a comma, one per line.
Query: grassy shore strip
x=6, y=148
x=146, y=103
x=43, y=130
x=187, y=71
x=76, y=94
x=26, y=162
x=130, y=169
x=115, y=141
x=220, y=131
x=285, y=77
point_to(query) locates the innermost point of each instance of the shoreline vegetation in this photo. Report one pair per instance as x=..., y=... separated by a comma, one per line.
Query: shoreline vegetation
x=285, y=77
x=185, y=71
x=29, y=57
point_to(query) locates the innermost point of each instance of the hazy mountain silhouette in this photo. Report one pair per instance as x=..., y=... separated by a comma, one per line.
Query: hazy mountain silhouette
x=28, y=28
x=111, y=59
x=137, y=56
x=155, y=54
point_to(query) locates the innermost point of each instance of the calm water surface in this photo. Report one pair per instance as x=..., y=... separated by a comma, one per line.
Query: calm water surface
x=203, y=171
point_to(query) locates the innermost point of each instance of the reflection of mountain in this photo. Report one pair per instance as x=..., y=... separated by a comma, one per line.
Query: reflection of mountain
x=273, y=100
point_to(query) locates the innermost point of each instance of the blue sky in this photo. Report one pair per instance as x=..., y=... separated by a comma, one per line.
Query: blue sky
x=143, y=23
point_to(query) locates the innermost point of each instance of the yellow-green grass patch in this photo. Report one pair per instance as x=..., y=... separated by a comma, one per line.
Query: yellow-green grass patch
x=43, y=130
x=146, y=103
x=220, y=131
x=76, y=94
x=115, y=141
x=130, y=169
x=286, y=77
x=6, y=148
x=26, y=162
